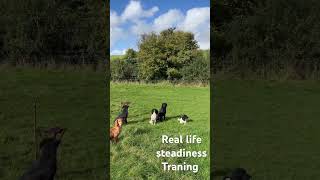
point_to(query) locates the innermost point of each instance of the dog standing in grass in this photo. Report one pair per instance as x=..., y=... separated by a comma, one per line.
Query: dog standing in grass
x=162, y=112
x=116, y=130
x=154, y=116
x=45, y=167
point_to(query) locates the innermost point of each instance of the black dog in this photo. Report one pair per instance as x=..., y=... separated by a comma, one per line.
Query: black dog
x=238, y=174
x=162, y=112
x=124, y=113
x=45, y=167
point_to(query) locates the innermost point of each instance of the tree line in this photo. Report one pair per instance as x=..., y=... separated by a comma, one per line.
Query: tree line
x=40, y=32
x=170, y=55
x=266, y=38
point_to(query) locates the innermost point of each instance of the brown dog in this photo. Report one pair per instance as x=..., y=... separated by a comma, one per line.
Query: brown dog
x=116, y=130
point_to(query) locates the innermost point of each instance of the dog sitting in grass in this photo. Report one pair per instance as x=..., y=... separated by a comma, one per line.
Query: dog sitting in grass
x=154, y=116
x=162, y=112
x=183, y=119
x=45, y=167
x=116, y=130
x=124, y=113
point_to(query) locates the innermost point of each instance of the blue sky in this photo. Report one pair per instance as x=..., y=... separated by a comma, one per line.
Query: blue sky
x=131, y=18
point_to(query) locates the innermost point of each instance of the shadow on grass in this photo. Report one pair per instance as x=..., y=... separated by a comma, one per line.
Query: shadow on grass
x=148, y=119
x=171, y=117
x=81, y=171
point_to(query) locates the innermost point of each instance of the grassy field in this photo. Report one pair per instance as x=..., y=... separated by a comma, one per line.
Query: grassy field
x=135, y=154
x=269, y=128
x=114, y=57
x=74, y=100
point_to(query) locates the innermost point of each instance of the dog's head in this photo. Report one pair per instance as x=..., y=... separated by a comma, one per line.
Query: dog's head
x=55, y=132
x=184, y=117
x=49, y=145
x=154, y=111
x=118, y=123
x=125, y=106
x=164, y=105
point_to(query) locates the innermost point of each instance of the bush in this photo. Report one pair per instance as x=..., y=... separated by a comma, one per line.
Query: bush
x=197, y=70
x=122, y=69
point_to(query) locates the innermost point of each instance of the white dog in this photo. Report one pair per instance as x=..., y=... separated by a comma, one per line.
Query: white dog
x=183, y=119
x=154, y=116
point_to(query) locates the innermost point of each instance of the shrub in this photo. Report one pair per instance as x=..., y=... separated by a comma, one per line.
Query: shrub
x=197, y=70
x=123, y=70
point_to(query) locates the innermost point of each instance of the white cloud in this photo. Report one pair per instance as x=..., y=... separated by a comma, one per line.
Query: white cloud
x=196, y=18
x=197, y=21
x=141, y=27
x=116, y=34
x=118, y=52
x=167, y=20
x=134, y=17
x=134, y=11
x=115, y=20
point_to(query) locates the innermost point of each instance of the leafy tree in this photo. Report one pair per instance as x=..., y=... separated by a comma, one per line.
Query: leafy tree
x=66, y=32
x=122, y=69
x=162, y=55
x=278, y=37
x=130, y=54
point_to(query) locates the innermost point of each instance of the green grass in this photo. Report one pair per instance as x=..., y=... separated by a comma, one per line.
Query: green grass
x=269, y=128
x=74, y=100
x=135, y=154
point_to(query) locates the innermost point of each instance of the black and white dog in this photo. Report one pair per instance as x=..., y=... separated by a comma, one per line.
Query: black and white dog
x=45, y=167
x=154, y=116
x=238, y=174
x=183, y=119
x=162, y=112
x=124, y=113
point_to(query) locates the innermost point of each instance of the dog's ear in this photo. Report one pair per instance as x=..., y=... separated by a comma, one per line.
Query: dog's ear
x=125, y=103
x=60, y=134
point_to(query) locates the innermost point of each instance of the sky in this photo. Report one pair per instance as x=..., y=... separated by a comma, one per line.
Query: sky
x=131, y=18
